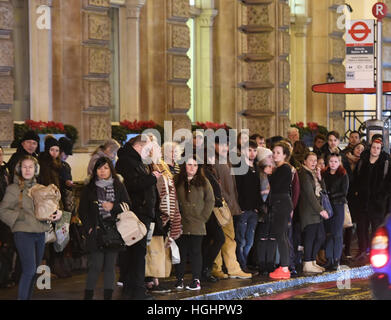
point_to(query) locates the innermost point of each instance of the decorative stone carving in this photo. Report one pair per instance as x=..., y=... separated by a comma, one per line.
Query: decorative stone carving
x=6, y=53
x=258, y=15
x=100, y=127
x=179, y=36
x=258, y=43
x=97, y=3
x=261, y=125
x=260, y=100
x=179, y=121
x=178, y=98
x=6, y=16
x=178, y=9
x=258, y=71
x=178, y=67
x=97, y=27
x=99, y=60
x=338, y=49
x=98, y=94
x=6, y=127
x=6, y=91
x=284, y=100
x=338, y=71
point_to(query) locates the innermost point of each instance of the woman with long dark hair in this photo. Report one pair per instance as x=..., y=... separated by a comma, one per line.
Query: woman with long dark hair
x=100, y=201
x=281, y=207
x=337, y=185
x=196, y=202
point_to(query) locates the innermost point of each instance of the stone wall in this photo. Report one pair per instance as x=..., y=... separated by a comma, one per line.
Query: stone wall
x=263, y=42
x=6, y=72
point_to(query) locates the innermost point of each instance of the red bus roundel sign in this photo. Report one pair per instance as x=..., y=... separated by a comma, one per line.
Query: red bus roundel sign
x=379, y=10
x=359, y=31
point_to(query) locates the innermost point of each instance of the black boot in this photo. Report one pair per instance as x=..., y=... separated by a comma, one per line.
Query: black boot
x=88, y=294
x=107, y=294
x=207, y=276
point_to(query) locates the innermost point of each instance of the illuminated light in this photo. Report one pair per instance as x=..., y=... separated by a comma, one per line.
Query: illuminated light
x=379, y=260
x=381, y=276
x=380, y=242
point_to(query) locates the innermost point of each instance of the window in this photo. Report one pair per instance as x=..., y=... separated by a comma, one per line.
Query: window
x=191, y=55
x=115, y=73
x=298, y=7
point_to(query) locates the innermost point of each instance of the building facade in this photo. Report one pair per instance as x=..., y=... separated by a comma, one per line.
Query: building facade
x=249, y=63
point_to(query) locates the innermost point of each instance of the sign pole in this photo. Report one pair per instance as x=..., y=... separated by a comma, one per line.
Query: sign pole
x=379, y=71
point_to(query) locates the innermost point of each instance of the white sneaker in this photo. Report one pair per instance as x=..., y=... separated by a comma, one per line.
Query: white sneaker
x=318, y=266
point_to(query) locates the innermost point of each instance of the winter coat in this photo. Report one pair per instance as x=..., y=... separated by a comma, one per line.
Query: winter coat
x=19, y=215
x=4, y=179
x=215, y=186
x=49, y=170
x=19, y=154
x=309, y=204
x=228, y=187
x=337, y=185
x=139, y=182
x=373, y=189
x=197, y=209
x=89, y=210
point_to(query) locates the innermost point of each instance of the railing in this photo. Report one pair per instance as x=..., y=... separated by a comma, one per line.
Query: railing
x=355, y=120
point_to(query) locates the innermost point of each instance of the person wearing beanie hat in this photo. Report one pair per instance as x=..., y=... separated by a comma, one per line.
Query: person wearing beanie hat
x=28, y=146
x=51, y=142
x=263, y=153
x=50, y=173
x=66, y=147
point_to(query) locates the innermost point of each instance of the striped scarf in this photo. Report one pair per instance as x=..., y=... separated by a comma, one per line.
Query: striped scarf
x=169, y=206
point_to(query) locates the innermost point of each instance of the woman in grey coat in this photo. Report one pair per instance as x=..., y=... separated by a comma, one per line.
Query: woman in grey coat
x=311, y=212
x=17, y=211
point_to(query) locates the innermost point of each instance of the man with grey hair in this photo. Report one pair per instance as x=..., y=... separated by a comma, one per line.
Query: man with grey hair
x=293, y=135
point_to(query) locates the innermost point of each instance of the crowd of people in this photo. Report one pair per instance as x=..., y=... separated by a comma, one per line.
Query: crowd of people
x=281, y=224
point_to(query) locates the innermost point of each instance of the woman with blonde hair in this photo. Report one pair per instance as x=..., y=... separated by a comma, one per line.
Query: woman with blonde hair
x=17, y=212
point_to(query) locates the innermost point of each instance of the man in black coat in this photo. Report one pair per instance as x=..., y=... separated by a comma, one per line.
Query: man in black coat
x=140, y=183
x=372, y=189
x=28, y=146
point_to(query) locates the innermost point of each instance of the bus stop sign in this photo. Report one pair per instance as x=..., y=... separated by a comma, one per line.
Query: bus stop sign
x=379, y=10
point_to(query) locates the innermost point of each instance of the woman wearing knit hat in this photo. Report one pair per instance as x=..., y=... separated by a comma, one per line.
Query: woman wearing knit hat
x=51, y=166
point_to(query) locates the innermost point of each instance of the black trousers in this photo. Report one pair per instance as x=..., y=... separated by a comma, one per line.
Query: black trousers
x=212, y=242
x=364, y=221
x=190, y=246
x=314, y=237
x=132, y=268
x=281, y=208
x=265, y=248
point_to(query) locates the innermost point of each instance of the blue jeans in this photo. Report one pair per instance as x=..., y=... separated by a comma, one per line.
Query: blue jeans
x=334, y=234
x=31, y=247
x=245, y=225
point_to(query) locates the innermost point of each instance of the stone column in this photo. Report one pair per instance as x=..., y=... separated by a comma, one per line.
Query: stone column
x=225, y=62
x=299, y=26
x=96, y=60
x=130, y=59
x=336, y=58
x=204, y=60
x=178, y=63
x=40, y=60
x=263, y=42
x=6, y=72
x=387, y=52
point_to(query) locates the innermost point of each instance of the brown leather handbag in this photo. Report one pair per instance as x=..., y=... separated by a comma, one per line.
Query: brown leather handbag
x=46, y=200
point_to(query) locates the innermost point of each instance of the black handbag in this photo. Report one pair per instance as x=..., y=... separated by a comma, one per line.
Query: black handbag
x=326, y=204
x=107, y=235
x=78, y=240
